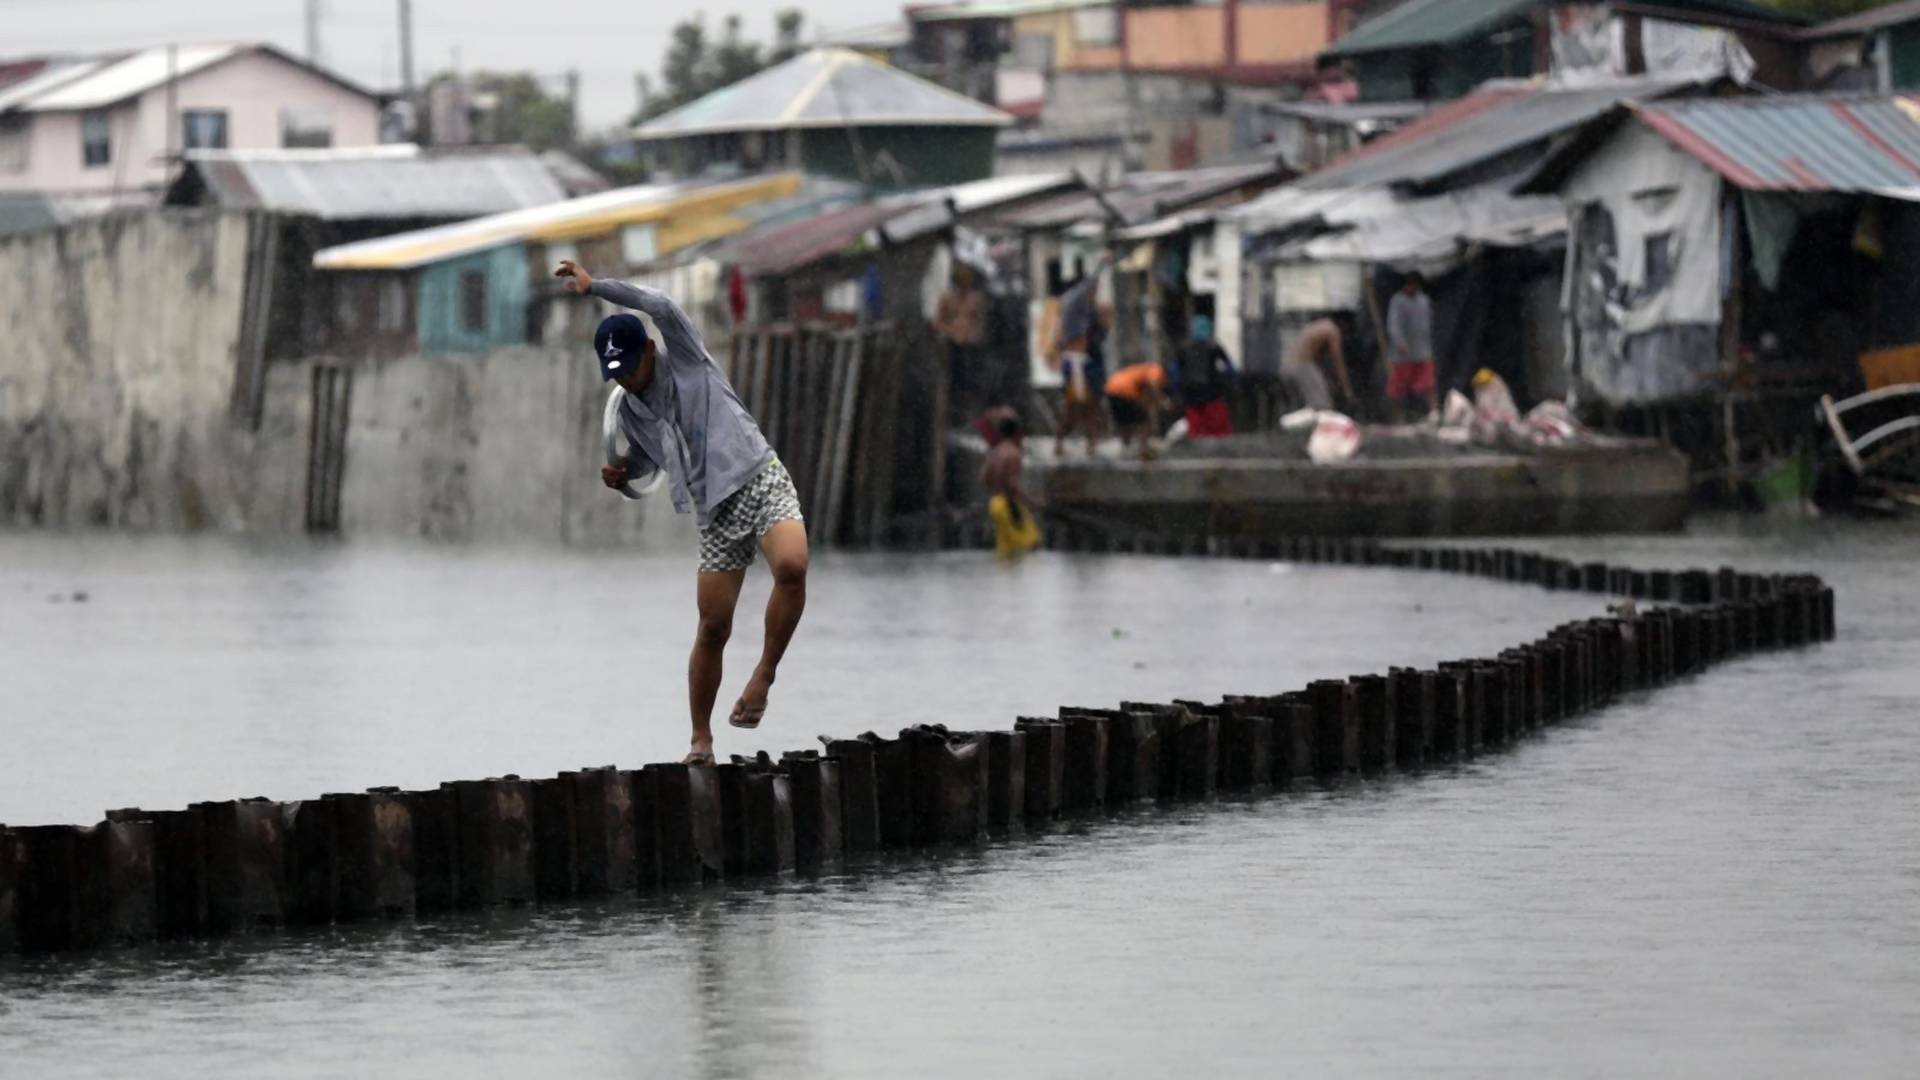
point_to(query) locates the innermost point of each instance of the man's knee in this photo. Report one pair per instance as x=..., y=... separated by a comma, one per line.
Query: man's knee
x=789, y=569
x=714, y=630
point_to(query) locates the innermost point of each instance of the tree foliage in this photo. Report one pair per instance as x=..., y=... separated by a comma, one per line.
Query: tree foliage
x=698, y=63
x=508, y=107
x=1827, y=9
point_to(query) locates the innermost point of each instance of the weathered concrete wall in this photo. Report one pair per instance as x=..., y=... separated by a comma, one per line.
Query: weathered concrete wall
x=500, y=446
x=114, y=380
x=122, y=336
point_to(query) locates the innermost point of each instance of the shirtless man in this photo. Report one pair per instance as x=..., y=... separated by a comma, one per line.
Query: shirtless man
x=1317, y=350
x=1015, y=530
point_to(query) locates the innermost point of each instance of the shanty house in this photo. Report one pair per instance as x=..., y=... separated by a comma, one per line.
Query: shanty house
x=1875, y=50
x=486, y=283
x=830, y=112
x=114, y=123
x=1435, y=196
x=1431, y=50
x=1743, y=254
x=317, y=199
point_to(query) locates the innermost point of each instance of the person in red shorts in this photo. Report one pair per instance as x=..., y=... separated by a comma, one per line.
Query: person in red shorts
x=1410, y=368
x=1206, y=374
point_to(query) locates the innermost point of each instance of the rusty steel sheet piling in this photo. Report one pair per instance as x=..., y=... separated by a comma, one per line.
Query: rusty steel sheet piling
x=436, y=848
x=949, y=785
x=1246, y=751
x=859, y=794
x=1374, y=698
x=246, y=864
x=224, y=867
x=375, y=868
x=819, y=832
x=1336, y=736
x=493, y=820
x=893, y=771
x=1414, y=702
x=1084, y=786
x=1046, y=767
x=1006, y=778
x=556, y=856
x=312, y=839
x=47, y=896
x=604, y=843
x=1133, y=755
x=691, y=850
x=10, y=859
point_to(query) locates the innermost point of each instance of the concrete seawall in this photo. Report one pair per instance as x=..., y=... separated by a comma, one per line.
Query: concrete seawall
x=133, y=397
x=245, y=865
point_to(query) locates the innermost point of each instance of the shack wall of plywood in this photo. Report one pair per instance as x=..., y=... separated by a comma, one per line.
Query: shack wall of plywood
x=901, y=157
x=475, y=302
x=1903, y=56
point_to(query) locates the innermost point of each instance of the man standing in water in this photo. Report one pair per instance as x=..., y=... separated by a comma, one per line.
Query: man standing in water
x=1015, y=532
x=681, y=416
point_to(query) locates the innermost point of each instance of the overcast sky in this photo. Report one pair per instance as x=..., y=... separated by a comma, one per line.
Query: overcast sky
x=607, y=41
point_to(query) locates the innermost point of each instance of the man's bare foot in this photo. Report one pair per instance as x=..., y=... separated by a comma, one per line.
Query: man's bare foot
x=753, y=701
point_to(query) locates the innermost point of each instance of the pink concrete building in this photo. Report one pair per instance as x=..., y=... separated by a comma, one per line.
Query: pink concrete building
x=117, y=124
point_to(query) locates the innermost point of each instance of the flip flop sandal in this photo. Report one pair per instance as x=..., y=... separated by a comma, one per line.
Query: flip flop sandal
x=749, y=716
x=698, y=757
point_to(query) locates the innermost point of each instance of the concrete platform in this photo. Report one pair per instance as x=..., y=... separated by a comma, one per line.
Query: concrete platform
x=1403, y=487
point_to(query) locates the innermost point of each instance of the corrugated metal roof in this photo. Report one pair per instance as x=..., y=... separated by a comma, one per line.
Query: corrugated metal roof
x=50, y=77
x=1141, y=197
x=374, y=182
x=1798, y=143
x=781, y=248
x=997, y=9
x=824, y=88
x=117, y=80
x=591, y=215
x=934, y=209
x=1423, y=24
x=1350, y=113
x=1496, y=120
x=1419, y=23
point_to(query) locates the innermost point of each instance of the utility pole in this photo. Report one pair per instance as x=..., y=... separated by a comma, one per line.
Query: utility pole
x=573, y=106
x=406, y=49
x=313, y=31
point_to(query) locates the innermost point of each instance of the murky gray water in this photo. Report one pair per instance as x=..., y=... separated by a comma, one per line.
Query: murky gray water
x=1722, y=879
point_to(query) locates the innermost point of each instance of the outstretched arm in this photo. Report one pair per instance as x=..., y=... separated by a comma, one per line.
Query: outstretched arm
x=683, y=343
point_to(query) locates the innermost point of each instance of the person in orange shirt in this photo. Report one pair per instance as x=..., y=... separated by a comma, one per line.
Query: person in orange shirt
x=1137, y=394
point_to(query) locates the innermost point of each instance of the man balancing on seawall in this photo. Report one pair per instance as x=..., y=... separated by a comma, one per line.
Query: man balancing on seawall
x=680, y=415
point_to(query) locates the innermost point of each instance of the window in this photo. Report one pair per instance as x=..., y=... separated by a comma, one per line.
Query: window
x=96, y=145
x=13, y=144
x=1662, y=257
x=473, y=301
x=305, y=128
x=203, y=129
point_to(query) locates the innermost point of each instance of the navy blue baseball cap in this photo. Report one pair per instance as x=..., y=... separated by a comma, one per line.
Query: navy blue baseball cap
x=619, y=343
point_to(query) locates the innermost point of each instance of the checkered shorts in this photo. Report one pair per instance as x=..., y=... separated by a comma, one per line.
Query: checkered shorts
x=730, y=539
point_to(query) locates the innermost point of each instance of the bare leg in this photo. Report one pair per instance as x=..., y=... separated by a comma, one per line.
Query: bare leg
x=717, y=594
x=785, y=546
